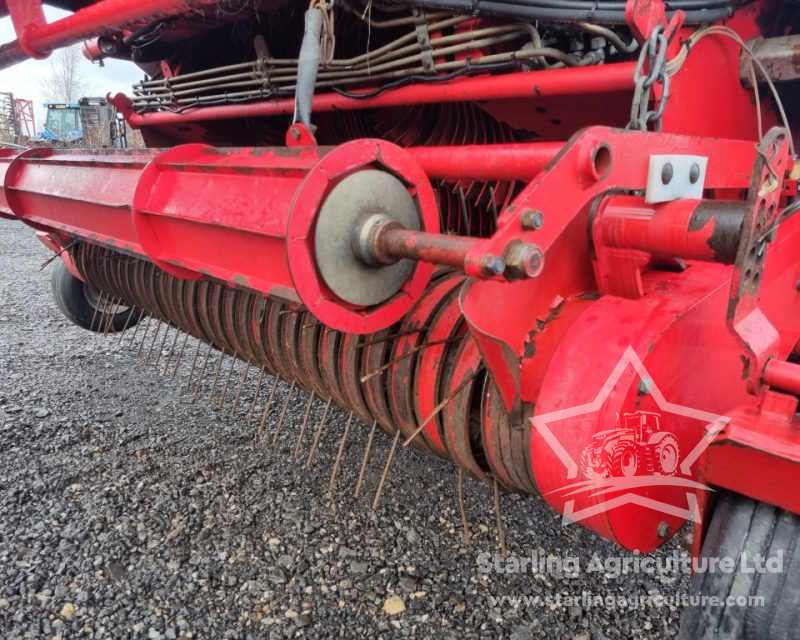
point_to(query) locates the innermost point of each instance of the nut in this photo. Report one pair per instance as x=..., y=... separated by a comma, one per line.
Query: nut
x=530, y=220
x=523, y=260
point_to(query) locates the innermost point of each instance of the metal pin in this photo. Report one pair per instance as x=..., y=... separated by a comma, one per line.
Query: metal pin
x=216, y=374
x=109, y=321
x=125, y=326
x=194, y=362
x=178, y=359
x=153, y=343
x=463, y=200
x=385, y=473
x=367, y=451
x=202, y=372
x=439, y=407
x=171, y=350
x=283, y=415
x=399, y=334
x=461, y=507
x=144, y=335
x=241, y=386
x=94, y=315
x=501, y=534
x=493, y=204
x=228, y=380
x=340, y=452
x=407, y=354
x=135, y=329
x=317, y=437
x=163, y=342
x=303, y=426
x=255, y=397
x=267, y=409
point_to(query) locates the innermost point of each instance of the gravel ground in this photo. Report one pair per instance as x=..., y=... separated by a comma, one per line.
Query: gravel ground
x=129, y=509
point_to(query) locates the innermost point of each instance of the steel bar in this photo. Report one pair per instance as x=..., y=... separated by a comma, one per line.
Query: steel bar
x=105, y=17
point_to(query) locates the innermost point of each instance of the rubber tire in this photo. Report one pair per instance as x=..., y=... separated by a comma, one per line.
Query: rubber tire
x=70, y=295
x=740, y=525
x=615, y=460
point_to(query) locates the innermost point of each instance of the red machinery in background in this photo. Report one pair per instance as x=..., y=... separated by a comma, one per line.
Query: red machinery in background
x=487, y=228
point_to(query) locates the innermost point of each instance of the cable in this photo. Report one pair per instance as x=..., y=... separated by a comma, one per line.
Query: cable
x=675, y=65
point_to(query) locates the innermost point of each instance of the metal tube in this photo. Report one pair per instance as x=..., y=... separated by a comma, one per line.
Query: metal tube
x=101, y=18
x=783, y=375
x=533, y=85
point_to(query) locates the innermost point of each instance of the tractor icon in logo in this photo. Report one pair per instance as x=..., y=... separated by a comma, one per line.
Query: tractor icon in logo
x=640, y=447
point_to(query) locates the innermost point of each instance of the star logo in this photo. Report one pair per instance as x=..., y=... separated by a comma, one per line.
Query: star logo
x=638, y=453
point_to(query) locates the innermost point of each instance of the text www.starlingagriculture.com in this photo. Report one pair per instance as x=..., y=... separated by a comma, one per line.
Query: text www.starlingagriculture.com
x=622, y=602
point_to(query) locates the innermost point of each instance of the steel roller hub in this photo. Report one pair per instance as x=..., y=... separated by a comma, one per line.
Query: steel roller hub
x=340, y=226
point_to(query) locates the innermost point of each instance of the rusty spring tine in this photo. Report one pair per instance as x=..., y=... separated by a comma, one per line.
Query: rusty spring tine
x=171, y=351
x=267, y=409
x=216, y=375
x=180, y=356
x=439, y=407
x=111, y=315
x=255, y=397
x=135, y=329
x=461, y=506
x=202, y=372
x=144, y=336
x=407, y=354
x=337, y=463
x=283, y=415
x=501, y=534
x=493, y=205
x=386, y=469
x=153, y=343
x=228, y=380
x=126, y=325
x=194, y=363
x=163, y=342
x=303, y=426
x=94, y=315
x=240, y=388
x=463, y=202
x=318, y=435
x=362, y=472
x=108, y=317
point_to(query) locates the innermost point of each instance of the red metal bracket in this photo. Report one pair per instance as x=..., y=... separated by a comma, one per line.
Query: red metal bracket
x=747, y=322
x=643, y=16
x=26, y=15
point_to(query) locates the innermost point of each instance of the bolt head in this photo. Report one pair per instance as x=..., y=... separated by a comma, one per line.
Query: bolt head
x=694, y=173
x=531, y=220
x=667, y=172
x=493, y=266
x=663, y=530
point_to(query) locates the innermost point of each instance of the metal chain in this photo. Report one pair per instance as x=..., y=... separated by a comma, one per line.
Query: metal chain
x=654, y=52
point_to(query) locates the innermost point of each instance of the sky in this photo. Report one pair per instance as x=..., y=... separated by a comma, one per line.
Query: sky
x=23, y=79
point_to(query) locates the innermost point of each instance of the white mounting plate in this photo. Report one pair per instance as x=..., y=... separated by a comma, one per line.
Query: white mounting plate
x=680, y=184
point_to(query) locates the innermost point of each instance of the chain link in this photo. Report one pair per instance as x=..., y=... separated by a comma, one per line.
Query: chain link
x=654, y=52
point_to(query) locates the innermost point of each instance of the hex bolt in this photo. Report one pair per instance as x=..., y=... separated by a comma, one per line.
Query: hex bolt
x=530, y=220
x=493, y=265
x=663, y=530
x=666, y=173
x=523, y=260
x=797, y=286
x=694, y=173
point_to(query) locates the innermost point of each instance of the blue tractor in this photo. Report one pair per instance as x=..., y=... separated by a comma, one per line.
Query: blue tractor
x=90, y=121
